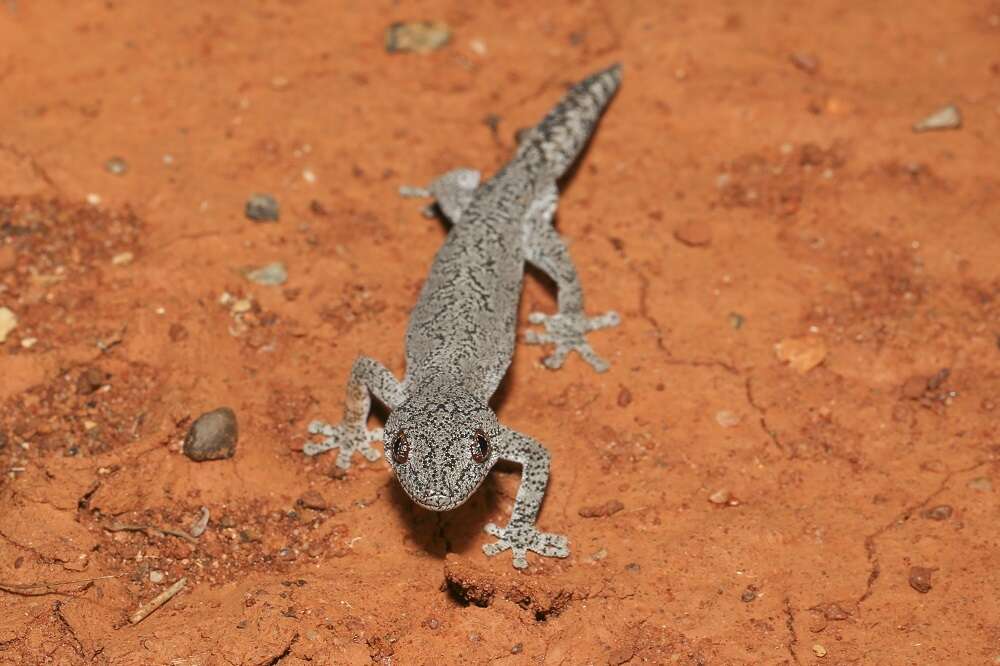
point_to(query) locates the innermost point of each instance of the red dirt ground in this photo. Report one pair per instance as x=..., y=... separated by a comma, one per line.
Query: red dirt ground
x=756, y=181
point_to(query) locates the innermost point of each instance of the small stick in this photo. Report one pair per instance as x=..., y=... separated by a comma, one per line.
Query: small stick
x=28, y=589
x=158, y=601
x=119, y=527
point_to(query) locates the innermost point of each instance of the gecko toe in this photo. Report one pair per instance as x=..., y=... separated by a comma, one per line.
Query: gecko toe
x=536, y=338
x=538, y=317
x=595, y=361
x=606, y=320
x=558, y=357
x=520, y=558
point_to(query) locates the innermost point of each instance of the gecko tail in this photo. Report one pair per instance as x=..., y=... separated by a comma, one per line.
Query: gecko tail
x=554, y=144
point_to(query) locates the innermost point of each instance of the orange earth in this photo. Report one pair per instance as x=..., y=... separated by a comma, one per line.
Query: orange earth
x=794, y=459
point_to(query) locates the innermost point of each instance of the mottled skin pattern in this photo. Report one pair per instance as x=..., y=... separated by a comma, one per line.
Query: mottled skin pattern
x=441, y=436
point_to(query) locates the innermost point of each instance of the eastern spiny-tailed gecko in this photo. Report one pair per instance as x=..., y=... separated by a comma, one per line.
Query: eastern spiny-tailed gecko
x=442, y=437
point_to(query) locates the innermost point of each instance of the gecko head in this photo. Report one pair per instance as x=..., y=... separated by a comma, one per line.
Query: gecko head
x=440, y=444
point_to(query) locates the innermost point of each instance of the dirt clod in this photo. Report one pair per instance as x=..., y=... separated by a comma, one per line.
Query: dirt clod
x=90, y=380
x=312, y=499
x=609, y=508
x=694, y=234
x=920, y=579
x=212, y=436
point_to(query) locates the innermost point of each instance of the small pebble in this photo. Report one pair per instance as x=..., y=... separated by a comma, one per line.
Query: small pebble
x=624, y=397
x=802, y=354
x=200, y=523
x=122, y=259
x=93, y=199
x=609, y=508
x=28, y=343
x=694, y=234
x=212, y=436
x=819, y=650
x=727, y=419
x=920, y=579
x=262, y=208
x=945, y=118
x=156, y=576
x=633, y=567
x=942, y=512
x=736, y=320
x=116, y=166
x=242, y=306
x=272, y=275
x=311, y=499
x=721, y=497
x=807, y=62
x=833, y=611
x=517, y=648
x=416, y=36
x=8, y=322
x=749, y=594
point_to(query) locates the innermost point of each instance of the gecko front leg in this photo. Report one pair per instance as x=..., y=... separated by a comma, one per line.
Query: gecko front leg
x=520, y=535
x=568, y=327
x=453, y=191
x=368, y=377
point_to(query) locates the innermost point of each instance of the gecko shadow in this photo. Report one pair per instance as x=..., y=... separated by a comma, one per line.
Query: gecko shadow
x=456, y=531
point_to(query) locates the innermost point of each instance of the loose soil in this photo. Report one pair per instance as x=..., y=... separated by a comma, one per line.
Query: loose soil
x=794, y=458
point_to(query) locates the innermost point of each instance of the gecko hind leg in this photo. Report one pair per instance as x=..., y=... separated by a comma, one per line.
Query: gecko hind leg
x=453, y=191
x=368, y=377
x=567, y=328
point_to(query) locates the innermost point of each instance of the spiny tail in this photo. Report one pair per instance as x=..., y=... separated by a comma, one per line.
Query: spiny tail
x=552, y=146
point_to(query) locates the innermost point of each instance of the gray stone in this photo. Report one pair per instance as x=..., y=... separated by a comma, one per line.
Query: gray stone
x=262, y=208
x=212, y=436
x=273, y=275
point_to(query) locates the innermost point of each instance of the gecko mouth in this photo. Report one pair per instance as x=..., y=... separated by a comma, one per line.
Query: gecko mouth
x=436, y=502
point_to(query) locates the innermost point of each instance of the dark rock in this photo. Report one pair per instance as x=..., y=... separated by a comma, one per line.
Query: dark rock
x=920, y=579
x=212, y=436
x=262, y=208
x=311, y=499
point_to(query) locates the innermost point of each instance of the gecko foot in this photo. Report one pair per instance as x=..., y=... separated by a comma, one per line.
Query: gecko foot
x=567, y=332
x=522, y=538
x=345, y=437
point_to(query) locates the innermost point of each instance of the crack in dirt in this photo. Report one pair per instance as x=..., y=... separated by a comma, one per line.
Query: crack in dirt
x=793, y=637
x=67, y=627
x=762, y=413
x=871, y=547
x=36, y=168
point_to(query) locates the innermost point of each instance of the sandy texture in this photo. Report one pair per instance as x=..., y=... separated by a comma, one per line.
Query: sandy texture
x=793, y=459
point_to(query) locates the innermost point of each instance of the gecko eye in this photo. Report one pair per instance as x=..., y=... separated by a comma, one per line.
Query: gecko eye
x=480, y=446
x=400, y=447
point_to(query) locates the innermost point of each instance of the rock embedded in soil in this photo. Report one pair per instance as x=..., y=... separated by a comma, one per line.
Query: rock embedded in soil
x=945, y=118
x=271, y=275
x=262, y=208
x=416, y=36
x=212, y=436
x=609, y=508
x=941, y=512
x=920, y=579
x=116, y=166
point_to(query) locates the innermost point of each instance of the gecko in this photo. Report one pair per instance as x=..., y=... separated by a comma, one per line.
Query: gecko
x=441, y=437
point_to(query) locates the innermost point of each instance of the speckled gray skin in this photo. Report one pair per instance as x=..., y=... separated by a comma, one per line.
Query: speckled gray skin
x=441, y=436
